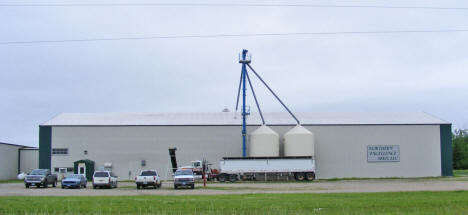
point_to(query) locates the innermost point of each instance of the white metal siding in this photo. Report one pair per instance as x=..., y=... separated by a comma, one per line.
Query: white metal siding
x=341, y=151
x=8, y=161
x=125, y=146
x=29, y=160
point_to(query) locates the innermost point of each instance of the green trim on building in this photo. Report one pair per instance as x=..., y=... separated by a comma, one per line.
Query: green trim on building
x=89, y=165
x=446, y=149
x=45, y=147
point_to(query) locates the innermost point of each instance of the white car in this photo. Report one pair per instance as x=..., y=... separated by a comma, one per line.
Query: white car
x=184, y=178
x=148, y=178
x=104, y=179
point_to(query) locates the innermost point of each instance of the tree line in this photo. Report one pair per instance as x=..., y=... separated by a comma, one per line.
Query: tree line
x=460, y=149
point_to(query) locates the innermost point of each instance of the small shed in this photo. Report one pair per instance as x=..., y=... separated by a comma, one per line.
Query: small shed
x=84, y=167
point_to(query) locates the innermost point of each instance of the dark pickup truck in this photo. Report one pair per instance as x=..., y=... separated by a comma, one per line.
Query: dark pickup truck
x=40, y=177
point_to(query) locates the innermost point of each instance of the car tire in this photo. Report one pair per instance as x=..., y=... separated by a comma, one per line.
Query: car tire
x=26, y=185
x=193, y=186
x=310, y=176
x=84, y=185
x=94, y=187
x=159, y=185
x=222, y=177
x=175, y=187
x=45, y=185
x=138, y=187
x=232, y=178
x=300, y=176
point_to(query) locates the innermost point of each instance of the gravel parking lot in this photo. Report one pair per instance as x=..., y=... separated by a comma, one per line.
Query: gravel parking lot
x=372, y=185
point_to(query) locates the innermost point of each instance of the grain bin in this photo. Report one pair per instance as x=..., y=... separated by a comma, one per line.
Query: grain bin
x=264, y=142
x=299, y=142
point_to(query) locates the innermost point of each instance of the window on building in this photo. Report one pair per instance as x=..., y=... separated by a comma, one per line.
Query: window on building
x=59, y=151
x=63, y=169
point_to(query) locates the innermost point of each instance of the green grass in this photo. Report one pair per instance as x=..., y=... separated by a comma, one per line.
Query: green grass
x=11, y=181
x=231, y=188
x=460, y=172
x=455, y=202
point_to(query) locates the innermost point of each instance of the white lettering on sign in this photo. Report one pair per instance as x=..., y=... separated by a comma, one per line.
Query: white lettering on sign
x=383, y=153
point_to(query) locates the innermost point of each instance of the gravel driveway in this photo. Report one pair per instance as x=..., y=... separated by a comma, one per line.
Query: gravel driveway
x=374, y=185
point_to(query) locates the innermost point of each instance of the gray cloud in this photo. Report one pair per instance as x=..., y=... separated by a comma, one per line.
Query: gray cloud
x=392, y=72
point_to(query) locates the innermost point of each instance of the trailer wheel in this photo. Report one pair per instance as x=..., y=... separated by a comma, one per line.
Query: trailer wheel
x=232, y=178
x=299, y=176
x=310, y=176
x=222, y=177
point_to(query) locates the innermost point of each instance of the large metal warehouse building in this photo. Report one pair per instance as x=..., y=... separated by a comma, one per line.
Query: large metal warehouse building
x=346, y=144
x=15, y=159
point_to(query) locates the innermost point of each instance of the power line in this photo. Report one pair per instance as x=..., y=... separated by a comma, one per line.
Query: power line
x=229, y=5
x=235, y=35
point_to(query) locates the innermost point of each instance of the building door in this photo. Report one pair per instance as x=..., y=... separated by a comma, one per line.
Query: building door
x=82, y=169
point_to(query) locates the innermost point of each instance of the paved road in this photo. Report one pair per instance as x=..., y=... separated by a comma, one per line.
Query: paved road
x=126, y=188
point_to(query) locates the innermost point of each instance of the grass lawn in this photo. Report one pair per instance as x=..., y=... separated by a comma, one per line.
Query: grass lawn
x=349, y=203
x=460, y=172
x=10, y=181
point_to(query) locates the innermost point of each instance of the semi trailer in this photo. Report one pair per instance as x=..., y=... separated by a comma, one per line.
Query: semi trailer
x=255, y=168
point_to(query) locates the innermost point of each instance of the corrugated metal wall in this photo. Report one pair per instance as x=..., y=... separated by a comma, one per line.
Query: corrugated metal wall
x=341, y=150
x=8, y=161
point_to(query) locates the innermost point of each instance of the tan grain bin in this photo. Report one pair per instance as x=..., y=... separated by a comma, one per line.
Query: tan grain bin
x=299, y=142
x=264, y=142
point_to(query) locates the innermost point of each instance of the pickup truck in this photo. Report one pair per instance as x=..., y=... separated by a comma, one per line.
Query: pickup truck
x=40, y=177
x=148, y=178
x=184, y=178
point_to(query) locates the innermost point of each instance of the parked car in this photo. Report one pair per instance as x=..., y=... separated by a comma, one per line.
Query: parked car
x=40, y=177
x=148, y=178
x=104, y=179
x=74, y=181
x=184, y=178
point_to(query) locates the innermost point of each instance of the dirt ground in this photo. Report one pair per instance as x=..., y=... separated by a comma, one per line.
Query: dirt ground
x=341, y=186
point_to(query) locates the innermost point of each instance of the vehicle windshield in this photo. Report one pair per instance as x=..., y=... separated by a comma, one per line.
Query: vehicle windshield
x=101, y=174
x=74, y=176
x=38, y=172
x=183, y=172
x=148, y=173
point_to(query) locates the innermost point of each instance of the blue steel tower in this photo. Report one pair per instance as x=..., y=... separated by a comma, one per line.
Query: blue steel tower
x=244, y=59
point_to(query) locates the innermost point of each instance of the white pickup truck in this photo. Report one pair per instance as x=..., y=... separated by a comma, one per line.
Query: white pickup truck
x=148, y=178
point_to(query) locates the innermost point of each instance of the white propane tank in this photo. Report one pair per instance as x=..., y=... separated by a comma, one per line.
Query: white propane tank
x=21, y=176
x=299, y=142
x=264, y=142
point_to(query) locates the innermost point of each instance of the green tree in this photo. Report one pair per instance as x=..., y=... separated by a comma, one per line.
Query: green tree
x=460, y=149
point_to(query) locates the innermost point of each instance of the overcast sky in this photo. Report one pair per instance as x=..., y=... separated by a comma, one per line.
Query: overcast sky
x=326, y=73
